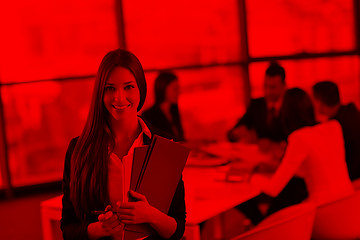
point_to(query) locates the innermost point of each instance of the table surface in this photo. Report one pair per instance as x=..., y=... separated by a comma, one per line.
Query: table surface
x=208, y=194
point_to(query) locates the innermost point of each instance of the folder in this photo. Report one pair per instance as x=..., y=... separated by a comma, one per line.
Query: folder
x=138, y=161
x=156, y=172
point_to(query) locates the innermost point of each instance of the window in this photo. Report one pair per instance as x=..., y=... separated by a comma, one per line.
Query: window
x=165, y=34
x=49, y=40
x=190, y=36
x=41, y=118
x=285, y=27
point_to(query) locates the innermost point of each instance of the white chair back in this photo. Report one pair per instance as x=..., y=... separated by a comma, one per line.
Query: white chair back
x=356, y=184
x=294, y=222
x=339, y=219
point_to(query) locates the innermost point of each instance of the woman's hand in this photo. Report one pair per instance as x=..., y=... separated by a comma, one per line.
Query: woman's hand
x=135, y=212
x=107, y=225
x=109, y=221
x=242, y=134
x=258, y=181
x=142, y=212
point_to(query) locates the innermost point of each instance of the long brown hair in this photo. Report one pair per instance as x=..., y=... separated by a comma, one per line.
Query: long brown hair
x=89, y=161
x=297, y=110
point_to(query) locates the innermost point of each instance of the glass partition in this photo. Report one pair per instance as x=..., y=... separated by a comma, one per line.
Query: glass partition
x=285, y=27
x=41, y=118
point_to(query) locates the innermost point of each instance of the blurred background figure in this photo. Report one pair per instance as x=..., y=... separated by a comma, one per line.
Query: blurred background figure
x=328, y=105
x=314, y=152
x=164, y=114
x=261, y=122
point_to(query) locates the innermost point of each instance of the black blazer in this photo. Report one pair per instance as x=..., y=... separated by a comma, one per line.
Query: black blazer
x=349, y=119
x=255, y=118
x=76, y=229
x=157, y=118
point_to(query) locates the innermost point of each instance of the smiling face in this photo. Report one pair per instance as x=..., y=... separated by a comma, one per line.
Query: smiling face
x=121, y=94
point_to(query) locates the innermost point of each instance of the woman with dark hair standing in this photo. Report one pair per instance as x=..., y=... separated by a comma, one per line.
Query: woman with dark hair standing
x=165, y=112
x=314, y=152
x=98, y=163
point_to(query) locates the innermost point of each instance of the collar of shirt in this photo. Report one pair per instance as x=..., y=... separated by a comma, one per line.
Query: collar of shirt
x=276, y=105
x=144, y=129
x=139, y=140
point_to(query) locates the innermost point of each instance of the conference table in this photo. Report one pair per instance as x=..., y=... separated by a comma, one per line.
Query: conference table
x=216, y=179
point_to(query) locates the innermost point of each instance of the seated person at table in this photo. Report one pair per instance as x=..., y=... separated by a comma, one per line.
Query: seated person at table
x=327, y=102
x=262, y=117
x=314, y=151
x=164, y=114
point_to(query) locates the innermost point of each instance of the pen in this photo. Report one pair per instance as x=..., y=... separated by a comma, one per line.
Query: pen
x=97, y=212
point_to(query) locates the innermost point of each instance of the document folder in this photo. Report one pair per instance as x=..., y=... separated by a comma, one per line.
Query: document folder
x=156, y=172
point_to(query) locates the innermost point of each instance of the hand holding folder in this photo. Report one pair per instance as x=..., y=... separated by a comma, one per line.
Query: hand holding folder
x=156, y=173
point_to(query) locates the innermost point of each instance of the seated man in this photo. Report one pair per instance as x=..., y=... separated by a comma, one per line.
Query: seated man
x=327, y=101
x=262, y=124
x=262, y=118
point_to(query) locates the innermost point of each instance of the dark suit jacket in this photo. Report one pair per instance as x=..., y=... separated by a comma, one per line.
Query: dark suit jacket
x=157, y=118
x=349, y=118
x=74, y=228
x=255, y=118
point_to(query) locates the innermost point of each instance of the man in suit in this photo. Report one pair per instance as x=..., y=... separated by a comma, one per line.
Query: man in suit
x=262, y=124
x=262, y=118
x=327, y=104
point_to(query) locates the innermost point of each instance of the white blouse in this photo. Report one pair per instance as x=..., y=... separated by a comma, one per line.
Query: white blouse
x=119, y=174
x=317, y=154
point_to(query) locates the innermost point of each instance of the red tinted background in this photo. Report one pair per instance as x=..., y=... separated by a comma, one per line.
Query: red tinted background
x=285, y=27
x=63, y=43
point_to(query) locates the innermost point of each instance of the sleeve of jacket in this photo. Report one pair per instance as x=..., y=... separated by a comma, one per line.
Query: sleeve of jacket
x=71, y=226
x=178, y=211
x=247, y=118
